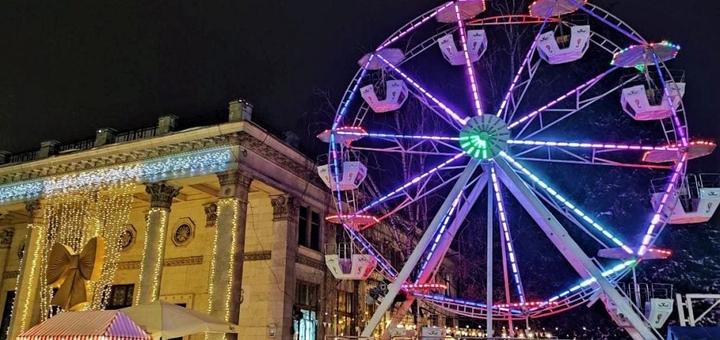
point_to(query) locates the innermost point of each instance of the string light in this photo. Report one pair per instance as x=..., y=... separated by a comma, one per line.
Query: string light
x=30, y=284
x=222, y=204
x=161, y=215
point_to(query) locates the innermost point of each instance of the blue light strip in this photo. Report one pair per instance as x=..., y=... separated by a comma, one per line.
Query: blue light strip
x=586, y=283
x=508, y=238
x=474, y=87
x=439, y=235
x=369, y=248
x=408, y=184
x=441, y=298
x=567, y=203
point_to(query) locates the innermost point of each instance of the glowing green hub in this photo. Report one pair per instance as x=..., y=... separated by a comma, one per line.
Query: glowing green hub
x=484, y=137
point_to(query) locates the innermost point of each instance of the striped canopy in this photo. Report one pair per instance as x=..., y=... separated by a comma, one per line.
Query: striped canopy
x=89, y=325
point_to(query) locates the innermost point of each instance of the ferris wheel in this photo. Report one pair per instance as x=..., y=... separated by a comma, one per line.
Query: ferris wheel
x=484, y=106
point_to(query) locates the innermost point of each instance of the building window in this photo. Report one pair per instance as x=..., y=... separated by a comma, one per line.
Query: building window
x=344, y=313
x=121, y=296
x=7, y=310
x=309, y=228
x=305, y=314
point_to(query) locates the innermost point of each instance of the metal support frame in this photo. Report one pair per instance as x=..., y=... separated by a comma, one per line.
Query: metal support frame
x=569, y=248
x=489, y=258
x=417, y=253
x=687, y=306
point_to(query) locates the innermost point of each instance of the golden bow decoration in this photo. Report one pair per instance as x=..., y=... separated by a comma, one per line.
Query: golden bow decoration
x=71, y=272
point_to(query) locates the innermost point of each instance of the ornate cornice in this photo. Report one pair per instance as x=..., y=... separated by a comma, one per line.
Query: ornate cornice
x=173, y=262
x=210, y=214
x=6, y=236
x=234, y=184
x=138, y=154
x=310, y=262
x=305, y=171
x=257, y=255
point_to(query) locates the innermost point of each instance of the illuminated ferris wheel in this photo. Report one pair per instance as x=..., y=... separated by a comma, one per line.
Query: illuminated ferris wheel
x=493, y=102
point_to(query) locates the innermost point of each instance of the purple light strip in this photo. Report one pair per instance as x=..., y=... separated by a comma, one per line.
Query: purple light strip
x=412, y=27
x=427, y=94
x=441, y=298
x=393, y=135
x=567, y=203
x=674, y=179
x=439, y=234
x=408, y=184
x=606, y=22
x=468, y=64
x=570, y=93
x=506, y=232
x=333, y=148
x=586, y=283
x=357, y=237
x=525, y=62
x=594, y=145
x=675, y=118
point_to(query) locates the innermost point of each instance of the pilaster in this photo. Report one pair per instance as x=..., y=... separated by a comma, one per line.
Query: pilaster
x=282, y=262
x=153, y=255
x=226, y=268
x=26, y=308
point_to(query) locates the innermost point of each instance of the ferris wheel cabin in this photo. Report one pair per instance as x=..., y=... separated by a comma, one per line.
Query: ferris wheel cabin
x=352, y=171
x=394, y=97
x=643, y=103
x=344, y=264
x=698, y=198
x=564, y=48
x=476, y=45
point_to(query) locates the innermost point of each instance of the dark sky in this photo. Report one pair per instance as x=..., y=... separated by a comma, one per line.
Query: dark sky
x=69, y=67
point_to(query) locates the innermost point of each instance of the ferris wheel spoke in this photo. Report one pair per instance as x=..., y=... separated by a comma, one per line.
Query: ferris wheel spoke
x=408, y=184
x=508, y=98
x=658, y=222
x=610, y=20
x=577, y=92
x=387, y=269
x=572, y=207
x=506, y=242
x=446, y=109
x=445, y=235
x=474, y=87
x=678, y=127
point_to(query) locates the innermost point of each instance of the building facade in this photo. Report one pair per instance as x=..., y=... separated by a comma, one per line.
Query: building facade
x=226, y=219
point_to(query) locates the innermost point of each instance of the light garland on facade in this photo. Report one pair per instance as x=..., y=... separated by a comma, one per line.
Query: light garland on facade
x=30, y=285
x=223, y=204
x=160, y=245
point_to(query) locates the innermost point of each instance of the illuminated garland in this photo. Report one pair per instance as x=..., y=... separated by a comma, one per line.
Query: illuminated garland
x=160, y=245
x=223, y=204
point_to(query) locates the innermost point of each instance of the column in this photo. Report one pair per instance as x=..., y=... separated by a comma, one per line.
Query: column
x=25, y=311
x=153, y=256
x=226, y=267
x=282, y=262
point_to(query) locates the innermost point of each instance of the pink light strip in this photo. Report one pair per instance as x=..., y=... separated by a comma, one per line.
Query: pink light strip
x=408, y=184
x=392, y=135
x=412, y=27
x=468, y=64
x=593, y=145
x=567, y=203
x=506, y=232
x=674, y=179
x=427, y=94
x=570, y=93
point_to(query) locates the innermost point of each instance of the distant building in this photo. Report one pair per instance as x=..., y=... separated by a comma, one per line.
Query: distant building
x=227, y=219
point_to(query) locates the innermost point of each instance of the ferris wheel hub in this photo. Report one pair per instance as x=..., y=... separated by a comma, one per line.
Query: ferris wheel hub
x=484, y=137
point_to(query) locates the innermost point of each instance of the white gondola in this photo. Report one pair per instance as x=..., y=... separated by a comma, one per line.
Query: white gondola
x=574, y=45
x=395, y=95
x=352, y=172
x=453, y=52
x=697, y=199
x=344, y=264
x=642, y=103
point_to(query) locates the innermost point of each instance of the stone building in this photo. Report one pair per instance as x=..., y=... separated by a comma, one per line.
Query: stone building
x=226, y=218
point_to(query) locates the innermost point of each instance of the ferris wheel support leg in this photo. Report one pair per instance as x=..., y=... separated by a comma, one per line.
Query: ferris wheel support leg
x=570, y=249
x=489, y=258
x=397, y=316
x=420, y=248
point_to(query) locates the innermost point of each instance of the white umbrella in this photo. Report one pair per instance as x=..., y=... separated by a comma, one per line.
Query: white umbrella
x=166, y=320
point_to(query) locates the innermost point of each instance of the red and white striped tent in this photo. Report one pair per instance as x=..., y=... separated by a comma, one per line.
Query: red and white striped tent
x=88, y=325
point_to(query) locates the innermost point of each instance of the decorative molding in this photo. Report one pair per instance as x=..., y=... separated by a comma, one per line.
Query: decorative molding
x=6, y=236
x=173, y=262
x=210, y=214
x=161, y=194
x=285, y=207
x=310, y=262
x=13, y=274
x=21, y=250
x=128, y=237
x=257, y=255
x=183, y=232
x=234, y=184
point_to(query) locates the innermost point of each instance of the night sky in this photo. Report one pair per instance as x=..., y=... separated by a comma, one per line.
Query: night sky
x=68, y=68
